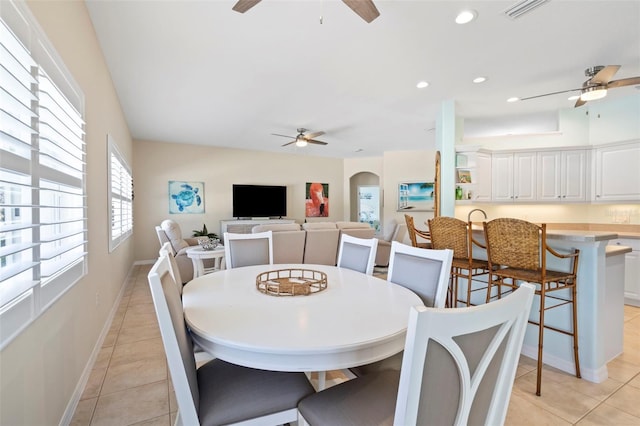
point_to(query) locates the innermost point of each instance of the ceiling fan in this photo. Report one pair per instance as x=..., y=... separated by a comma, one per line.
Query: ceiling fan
x=596, y=85
x=303, y=139
x=364, y=8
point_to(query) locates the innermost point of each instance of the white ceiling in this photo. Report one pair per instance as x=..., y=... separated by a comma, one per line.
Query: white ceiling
x=197, y=72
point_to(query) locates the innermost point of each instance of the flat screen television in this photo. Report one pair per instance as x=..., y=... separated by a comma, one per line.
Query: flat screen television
x=259, y=201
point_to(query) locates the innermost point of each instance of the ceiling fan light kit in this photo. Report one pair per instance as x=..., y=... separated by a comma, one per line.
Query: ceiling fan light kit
x=593, y=93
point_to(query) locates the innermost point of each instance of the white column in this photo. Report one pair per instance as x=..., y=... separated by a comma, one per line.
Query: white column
x=445, y=143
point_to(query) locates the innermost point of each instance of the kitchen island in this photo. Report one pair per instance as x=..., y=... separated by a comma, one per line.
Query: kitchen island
x=600, y=293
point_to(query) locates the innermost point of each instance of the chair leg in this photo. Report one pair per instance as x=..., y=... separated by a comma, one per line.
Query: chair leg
x=489, y=284
x=451, y=292
x=574, y=306
x=452, y=299
x=540, y=340
x=322, y=380
x=469, y=275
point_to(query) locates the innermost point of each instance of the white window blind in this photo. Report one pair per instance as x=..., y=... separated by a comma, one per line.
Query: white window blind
x=120, y=196
x=43, y=214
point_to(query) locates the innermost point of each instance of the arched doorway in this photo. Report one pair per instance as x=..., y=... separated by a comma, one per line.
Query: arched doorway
x=365, y=199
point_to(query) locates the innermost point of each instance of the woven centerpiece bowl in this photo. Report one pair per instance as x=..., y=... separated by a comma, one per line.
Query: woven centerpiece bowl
x=291, y=282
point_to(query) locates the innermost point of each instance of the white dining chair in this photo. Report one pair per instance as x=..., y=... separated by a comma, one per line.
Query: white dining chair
x=248, y=249
x=218, y=392
x=167, y=250
x=426, y=272
x=358, y=254
x=458, y=369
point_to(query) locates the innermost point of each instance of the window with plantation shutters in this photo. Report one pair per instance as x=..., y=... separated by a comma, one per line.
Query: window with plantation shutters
x=43, y=213
x=121, y=196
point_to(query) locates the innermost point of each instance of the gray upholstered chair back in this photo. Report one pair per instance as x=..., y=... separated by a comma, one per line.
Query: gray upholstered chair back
x=357, y=253
x=425, y=272
x=459, y=364
x=176, y=340
x=248, y=249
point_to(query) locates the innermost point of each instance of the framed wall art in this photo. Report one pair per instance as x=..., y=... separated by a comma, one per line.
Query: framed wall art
x=317, y=200
x=415, y=196
x=186, y=197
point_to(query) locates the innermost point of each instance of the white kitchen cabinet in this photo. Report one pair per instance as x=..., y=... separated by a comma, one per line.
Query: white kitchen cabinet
x=513, y=177
x=476, y=165
x=631, y=270
x=617, y=172
x=483, y=171
x=562, y=176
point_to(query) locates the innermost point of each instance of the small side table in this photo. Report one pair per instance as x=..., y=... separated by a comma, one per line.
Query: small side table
x=198, y=255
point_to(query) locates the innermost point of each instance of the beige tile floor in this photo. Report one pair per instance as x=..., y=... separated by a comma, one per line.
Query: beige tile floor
x=130, y=384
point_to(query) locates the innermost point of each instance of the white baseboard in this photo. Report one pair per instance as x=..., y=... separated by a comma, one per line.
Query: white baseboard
x=588, y=374
x=84, y=378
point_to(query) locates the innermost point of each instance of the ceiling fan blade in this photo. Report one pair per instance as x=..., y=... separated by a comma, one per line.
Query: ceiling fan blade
x=284, y=136
x=288, y=143
x=605, y=74
x=313, y=135
x=579, y=102
x=632, y=81
x=364, y=8
x=316, y=142
x=243, y=5
x=549, y=94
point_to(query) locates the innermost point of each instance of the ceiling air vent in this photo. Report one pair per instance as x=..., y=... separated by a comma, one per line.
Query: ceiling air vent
x=522, y=7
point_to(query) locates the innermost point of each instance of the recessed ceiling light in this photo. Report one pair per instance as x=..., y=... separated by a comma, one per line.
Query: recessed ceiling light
x=422, y=84
x=480, y=79
x=466, y=16
x=513, y=99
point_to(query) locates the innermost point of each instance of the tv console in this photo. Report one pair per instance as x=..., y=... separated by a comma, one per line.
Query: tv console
x=244, y=226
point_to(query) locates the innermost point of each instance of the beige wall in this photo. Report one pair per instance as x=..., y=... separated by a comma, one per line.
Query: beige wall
x=41, y=368
x=395, y=167
x=400, y=166
x=156, y=163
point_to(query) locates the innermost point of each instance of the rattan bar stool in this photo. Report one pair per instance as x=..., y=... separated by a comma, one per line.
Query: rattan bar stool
x=517, y=251
x=415, y=233
x=457, y=235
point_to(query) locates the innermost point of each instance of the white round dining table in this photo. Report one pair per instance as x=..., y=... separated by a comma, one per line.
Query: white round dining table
x=356, y=320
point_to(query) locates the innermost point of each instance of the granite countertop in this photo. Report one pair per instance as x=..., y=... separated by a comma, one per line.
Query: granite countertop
x=623, y=230
x=580, y=236
x=616, y=250
x=585, y=232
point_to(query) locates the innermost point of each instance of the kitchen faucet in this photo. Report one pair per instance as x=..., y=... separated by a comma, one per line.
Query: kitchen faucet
x=476, y=210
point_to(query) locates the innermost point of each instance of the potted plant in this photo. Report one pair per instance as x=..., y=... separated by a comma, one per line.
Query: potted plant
x=205, y=233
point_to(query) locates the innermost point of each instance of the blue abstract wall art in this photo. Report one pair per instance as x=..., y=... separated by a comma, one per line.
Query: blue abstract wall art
x=186, y=197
